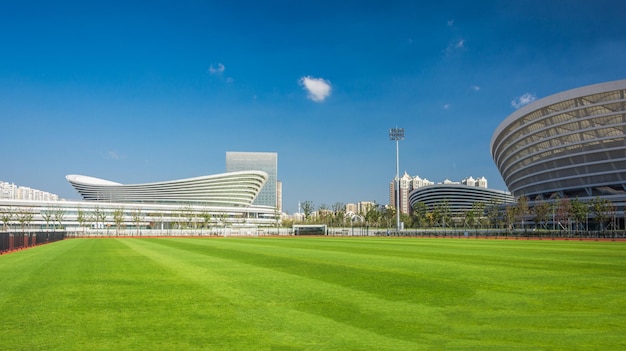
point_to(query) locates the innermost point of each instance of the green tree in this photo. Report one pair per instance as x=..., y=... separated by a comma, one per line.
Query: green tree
x=470, y=218
x=25, y=217
x=600, y=210
x=99, y=217
x=407, y=220
x=373, y=215
x=81, y=218
x=521, y=210
x=307, y=208
x=324, y=214
x=479, y=212
x=541, y=211
x=580, y=211
x=47, y=216
x=493, y=213
x=442, y=211
x=59, y=216
x=563, y=210
x=189, y=215
x=206, y=219
x=389, y=214
x=137, y=217
x=510, y=212
x=339, y=213
x=419, y=212
x=118, y=218
x=6, y=214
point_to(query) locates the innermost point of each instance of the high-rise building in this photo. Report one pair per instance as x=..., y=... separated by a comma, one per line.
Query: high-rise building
x=14, y=192
x=407, y=183
x=258, y=161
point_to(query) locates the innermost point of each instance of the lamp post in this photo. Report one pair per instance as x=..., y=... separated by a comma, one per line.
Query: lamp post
x=397, y=134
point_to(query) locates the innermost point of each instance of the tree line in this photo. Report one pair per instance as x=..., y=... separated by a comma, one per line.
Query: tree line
x=561, y=214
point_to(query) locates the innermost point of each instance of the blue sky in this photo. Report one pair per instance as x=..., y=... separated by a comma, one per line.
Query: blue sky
x=140, y=91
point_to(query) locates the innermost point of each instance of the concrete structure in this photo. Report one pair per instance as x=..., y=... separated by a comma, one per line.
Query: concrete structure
x=259, y=161
x=459, y=197
x=571, y=144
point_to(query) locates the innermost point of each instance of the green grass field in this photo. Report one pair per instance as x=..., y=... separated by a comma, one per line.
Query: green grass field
x=314, y=293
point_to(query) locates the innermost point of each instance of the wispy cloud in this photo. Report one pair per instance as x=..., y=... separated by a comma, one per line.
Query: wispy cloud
x=217, y=69
x=475, y=87
x=455, y=46
x=450, y=23
x=446, y=106
x=318, y=89
x=113, y=155
x=523, y=100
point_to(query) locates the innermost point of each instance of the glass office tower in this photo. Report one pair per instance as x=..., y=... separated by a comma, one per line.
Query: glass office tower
x=258, y=161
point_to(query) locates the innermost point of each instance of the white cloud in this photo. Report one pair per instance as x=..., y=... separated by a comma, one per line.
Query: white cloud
x=113, y=155
x=475, y=87
x=455, y=46
x=446, y=106
x=318, y=89
x=523, y=100
x=217, y=69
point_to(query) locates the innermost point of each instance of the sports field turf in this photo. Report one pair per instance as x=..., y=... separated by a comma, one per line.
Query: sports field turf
x=314, y=293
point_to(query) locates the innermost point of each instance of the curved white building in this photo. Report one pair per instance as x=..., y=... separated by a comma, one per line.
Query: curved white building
x=459, y=197
x=234, y=189
x=571, y=144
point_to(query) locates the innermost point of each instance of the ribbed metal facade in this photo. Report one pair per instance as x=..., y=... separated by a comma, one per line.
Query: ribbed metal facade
x=571, y=144
x=234, y=189
x=460, y=198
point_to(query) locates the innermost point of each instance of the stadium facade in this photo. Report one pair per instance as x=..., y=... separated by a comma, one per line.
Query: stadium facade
x=234, y=189
x=568, y=145
x=222, y=202
x=459, y=198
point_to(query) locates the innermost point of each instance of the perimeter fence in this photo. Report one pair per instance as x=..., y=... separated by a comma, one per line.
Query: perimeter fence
x=503, y=234
x=16, y=241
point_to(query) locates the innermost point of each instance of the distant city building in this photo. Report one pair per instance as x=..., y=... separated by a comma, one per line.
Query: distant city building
x=408, y=184
x=11, y=191
x=364, y=206
x=259, y=161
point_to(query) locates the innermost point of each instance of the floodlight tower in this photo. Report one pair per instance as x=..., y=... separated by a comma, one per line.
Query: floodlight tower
x=397, y=134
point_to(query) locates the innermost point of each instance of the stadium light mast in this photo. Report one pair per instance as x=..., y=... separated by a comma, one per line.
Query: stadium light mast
x=397, y=134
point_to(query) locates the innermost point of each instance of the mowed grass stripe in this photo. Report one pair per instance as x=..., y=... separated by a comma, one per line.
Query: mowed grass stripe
x=267, y=296
x=538, y=291
x=314, y=293
x=102, y=295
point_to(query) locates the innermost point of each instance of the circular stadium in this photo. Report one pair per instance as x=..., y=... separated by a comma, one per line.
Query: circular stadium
x=571, y=144
x=460, y=198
